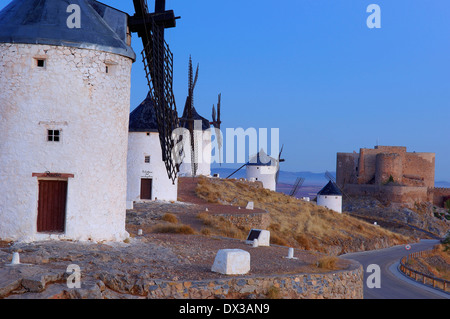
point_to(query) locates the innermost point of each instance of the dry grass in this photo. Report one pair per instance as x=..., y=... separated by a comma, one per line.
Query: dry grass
x=174, y=229
x=328, y=262
x=219, y=226
x=297, y=223
x=273, y=293
x=436, y=264
x=171, y=218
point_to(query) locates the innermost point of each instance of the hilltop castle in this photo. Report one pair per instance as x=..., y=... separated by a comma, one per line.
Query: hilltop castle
x=391, y=174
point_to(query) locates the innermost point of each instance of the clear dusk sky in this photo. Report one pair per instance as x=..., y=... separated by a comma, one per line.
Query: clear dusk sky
x=313, y=69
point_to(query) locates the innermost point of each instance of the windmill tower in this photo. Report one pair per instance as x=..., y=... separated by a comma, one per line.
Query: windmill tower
x=147, y=178
x=152, y=164
x=330, y=195
x=263, y=168
x=197, y=147
x=64, y=109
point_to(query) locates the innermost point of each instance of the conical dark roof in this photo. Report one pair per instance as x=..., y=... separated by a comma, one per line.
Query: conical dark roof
x=330, y=189
x=262, y=159
x=143, y=118
x=184, y=123
x=102, y=27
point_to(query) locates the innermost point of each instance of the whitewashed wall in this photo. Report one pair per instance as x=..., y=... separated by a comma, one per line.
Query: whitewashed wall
x=264, y=174
x=72, y=93
x=204, y=166
x=139, y=146
x=332, y=202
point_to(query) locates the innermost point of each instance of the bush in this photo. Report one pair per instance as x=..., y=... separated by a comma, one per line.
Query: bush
x=171, y=218
x=273, y=293
x=327, y=262
x=175, y=229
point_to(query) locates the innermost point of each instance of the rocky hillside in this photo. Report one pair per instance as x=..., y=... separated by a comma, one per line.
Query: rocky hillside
x=424, y=220
x=301, y=224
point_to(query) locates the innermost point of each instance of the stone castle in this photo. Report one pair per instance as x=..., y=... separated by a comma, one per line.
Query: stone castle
x=390, y=174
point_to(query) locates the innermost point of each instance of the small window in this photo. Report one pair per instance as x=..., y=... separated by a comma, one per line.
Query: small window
x=147, y=159
x=40, y=63
x=110, y=66
x=53, y=135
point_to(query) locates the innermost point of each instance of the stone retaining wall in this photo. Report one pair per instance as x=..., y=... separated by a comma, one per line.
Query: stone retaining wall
x=260, y=220
x=344, y=284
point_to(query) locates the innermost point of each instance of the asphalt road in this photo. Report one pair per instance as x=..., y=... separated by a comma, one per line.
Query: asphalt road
x=394, y=285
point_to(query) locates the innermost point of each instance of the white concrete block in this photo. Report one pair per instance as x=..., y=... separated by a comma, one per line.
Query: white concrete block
x=130, y=204
x=232, y=262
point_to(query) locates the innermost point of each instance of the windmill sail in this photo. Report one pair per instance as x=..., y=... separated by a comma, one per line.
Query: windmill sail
x=158, y=65
x=331, y=178
x=297, y=185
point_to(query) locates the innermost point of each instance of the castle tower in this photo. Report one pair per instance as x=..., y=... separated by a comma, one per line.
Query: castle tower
x=147, y=175
x=64, y=111
x=388, y=167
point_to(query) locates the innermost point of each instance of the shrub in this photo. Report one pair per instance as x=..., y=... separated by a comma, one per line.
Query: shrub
x=304, y=242
x=171, y=218
x=175, y=229
x=327, y=262
x=273, y=293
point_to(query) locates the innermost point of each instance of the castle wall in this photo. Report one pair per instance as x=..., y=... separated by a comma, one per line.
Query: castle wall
x=368, y=162
x=439, y=195
x=366, y=174
x=388, y=165
x=73, y=94
x=419, y=167
x=390, y=193
x=346, y=165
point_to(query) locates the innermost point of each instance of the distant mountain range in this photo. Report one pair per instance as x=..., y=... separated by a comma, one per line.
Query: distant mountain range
x=311, y=179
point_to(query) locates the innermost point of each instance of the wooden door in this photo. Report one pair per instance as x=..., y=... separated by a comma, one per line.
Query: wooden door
x=52, y=206
x=146, y=188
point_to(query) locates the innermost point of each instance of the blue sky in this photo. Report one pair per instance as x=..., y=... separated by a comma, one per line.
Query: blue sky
x=313, y=69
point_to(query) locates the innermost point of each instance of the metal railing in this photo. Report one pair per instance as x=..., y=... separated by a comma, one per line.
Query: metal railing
x=435, y=282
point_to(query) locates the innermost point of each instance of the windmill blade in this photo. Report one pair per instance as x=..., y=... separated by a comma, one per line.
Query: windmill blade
x=158, y=66
x=187, y=119
x=218, y=110
x=298, y=183
x=280, y=160
x=195, y=78
x=236, y=171
x=213, y=114
x=216, y=124
x=331, y=178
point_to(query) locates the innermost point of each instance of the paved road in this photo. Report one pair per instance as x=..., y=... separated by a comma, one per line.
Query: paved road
x=394, y=285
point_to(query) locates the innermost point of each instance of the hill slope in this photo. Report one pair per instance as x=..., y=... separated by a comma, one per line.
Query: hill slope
x=301, y=224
